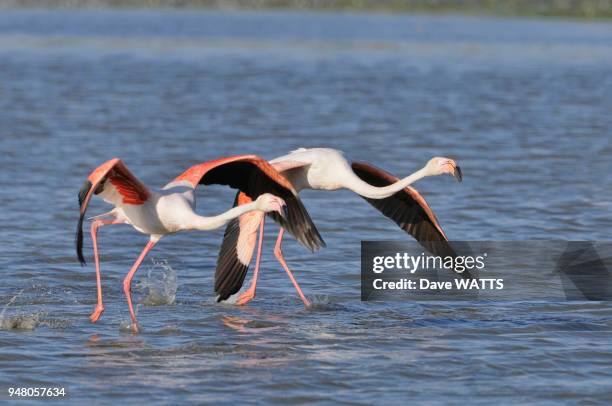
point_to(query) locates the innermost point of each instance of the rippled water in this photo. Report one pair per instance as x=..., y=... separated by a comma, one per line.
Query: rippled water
x=524, y=105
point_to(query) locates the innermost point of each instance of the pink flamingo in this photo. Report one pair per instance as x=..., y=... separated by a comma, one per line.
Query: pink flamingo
x=327, y=169
x=172, y=209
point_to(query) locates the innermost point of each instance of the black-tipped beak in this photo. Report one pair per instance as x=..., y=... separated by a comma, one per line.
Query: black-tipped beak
x=285, y=212
x=457, y=174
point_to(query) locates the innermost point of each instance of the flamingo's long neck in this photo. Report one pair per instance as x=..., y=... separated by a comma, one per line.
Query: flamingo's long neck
x=214, y=222
x=354, y=183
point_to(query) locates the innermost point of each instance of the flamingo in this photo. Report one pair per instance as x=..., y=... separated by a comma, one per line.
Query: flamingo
x=327, y=169
x=172, y=209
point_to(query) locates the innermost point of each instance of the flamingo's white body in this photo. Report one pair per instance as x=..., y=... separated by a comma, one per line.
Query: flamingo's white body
x=172, y=209
x=328, y=169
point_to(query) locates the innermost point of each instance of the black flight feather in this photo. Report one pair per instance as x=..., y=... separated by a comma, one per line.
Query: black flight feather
x=79, y=232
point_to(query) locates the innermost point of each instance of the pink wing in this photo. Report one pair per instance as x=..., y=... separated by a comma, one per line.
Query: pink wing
x=114, y=183
x=236, y=251
x=239, y=243
x=254, y=176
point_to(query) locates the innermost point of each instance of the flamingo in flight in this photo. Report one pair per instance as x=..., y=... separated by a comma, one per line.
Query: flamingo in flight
x=172, y=209
x=327, y=169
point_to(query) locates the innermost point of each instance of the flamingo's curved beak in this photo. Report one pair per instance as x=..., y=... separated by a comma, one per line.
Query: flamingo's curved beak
x=457, y=174
x=284, y=212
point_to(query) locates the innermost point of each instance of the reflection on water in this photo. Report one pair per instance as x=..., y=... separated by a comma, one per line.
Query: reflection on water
x=523, y=105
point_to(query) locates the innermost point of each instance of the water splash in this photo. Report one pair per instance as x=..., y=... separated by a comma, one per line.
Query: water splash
x=160, y=285
x=18, y=321
x=10, y=302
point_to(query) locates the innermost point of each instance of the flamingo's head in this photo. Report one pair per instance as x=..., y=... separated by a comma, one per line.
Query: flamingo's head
x=270, y=203
x=442, y=165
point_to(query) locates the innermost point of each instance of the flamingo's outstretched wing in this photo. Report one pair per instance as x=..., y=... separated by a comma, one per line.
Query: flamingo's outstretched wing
x=252, y=176
x=408, y=209
x=239, y=242
x=236, y=250
x=115, y=184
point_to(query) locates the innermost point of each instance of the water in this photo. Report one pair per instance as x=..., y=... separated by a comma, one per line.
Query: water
x=523, y=105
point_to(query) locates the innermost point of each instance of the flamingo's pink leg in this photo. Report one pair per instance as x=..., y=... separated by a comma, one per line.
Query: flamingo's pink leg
x=249, y=294
x=127, y=282
x=94, y=233
x=279, y=255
